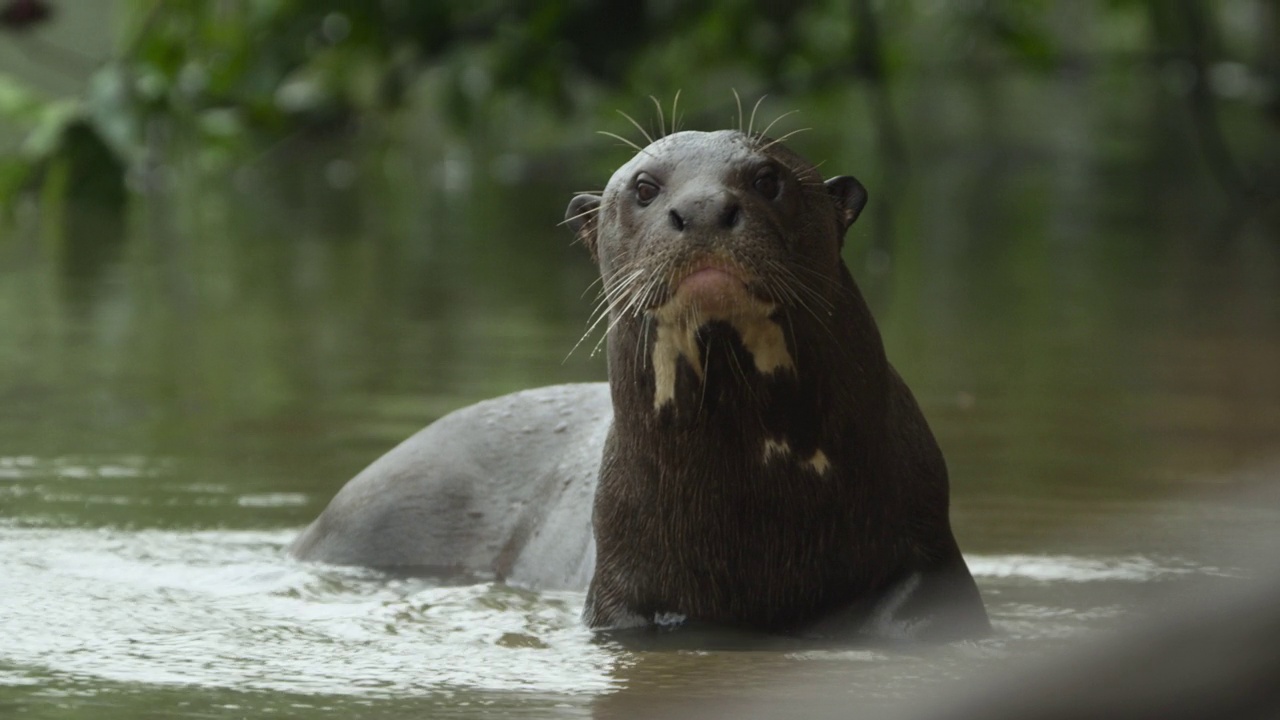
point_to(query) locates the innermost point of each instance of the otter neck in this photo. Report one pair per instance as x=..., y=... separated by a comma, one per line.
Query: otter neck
x=771, y=379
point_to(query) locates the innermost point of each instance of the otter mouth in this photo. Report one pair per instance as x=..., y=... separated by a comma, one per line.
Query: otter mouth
x=710, y=279
x=705, y=291
x=713, y=288
x=710, y=282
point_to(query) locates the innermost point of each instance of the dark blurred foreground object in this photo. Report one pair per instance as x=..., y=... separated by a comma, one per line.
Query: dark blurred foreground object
x=1216, y=656
x=20, y=15
x=1212, y=652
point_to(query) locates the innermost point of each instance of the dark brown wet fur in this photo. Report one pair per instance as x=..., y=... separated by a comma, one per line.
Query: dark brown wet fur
x=690, y=520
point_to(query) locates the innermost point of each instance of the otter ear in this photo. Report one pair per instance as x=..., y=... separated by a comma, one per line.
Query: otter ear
x=850, y=198
x=580, y=216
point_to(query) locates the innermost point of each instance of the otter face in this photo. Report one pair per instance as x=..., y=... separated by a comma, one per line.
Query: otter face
x=722, y=227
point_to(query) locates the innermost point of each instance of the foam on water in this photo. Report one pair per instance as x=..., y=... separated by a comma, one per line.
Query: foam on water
x=228, y=609
x=1073, y=569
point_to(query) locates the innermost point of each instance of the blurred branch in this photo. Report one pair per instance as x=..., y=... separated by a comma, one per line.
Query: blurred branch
x=869, y=64
x=1203, y=105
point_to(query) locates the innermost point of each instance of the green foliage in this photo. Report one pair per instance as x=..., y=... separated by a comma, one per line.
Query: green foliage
x=61, y=133
x=1019, y=28
x=235, y=74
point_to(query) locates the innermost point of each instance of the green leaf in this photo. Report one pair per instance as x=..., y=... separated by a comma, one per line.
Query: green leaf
x=17, y=102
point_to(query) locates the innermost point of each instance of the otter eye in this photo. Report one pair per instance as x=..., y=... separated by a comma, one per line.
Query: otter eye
x=646, y=190
x=767, y=184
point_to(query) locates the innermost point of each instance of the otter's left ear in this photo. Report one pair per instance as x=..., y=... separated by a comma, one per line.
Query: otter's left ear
x=850, y=198
x=580, y=216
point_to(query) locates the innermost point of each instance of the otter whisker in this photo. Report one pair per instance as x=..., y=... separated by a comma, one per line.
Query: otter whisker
x=594, y=316
x=639, y=360
x=619, y=137
x=829, y=282
x=662, y=121
x=798, y=287
x=625, y=304
x=807, y=297
x=608, y=300
x=613, y=323
x=675, y=123
x=631, y=307
x=642, y=349
x=661, y=276
x=781, y=290
x=598, y=315
x=581, y=339
x=621, y=285
x=635, y=305
x=805, y=305
x=706, y=368
x=736, y=364
x=809, y=178
x=595, y=350
x=776, y=290
x=784, y=137
x=637, y=125
x=738, y=100
x=626, y=295
x=796, y=292
x=642, y=298
x=614, y=319
x=795, y=346
x=597, y=281
x=765, y=132
x=751, y=125
x=603, y=308
x=582, y=214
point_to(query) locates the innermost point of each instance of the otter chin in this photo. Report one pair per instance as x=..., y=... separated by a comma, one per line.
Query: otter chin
x=754, y=460
x=712, y=291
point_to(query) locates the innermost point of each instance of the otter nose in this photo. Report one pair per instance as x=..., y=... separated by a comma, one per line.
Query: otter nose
x=717, y=211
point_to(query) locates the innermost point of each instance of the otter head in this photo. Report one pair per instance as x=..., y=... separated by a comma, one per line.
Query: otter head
x=719, y=228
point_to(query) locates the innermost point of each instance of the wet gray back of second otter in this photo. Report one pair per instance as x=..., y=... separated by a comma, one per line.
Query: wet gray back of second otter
x=499, y=489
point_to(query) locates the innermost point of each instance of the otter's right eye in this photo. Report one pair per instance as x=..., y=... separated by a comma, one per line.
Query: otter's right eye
x=646, y=190
x=767, y=184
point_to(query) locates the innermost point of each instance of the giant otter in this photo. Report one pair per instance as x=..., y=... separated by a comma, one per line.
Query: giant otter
x=754, y=460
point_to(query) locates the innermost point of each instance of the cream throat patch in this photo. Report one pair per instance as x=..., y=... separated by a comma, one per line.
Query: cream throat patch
x=678, y=322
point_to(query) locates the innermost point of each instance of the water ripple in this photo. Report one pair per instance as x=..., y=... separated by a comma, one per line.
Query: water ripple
x=226, y=609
